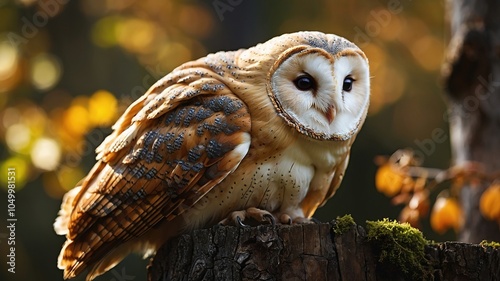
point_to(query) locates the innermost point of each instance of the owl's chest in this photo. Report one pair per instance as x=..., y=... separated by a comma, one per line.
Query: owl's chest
x=284, y=182
x=275, y=182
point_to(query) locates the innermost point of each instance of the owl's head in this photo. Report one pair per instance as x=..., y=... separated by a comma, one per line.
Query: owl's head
x=319, y=84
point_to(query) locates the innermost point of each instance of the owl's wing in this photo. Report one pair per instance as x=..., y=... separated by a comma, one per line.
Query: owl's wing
x=337, y=178
x=168, y=150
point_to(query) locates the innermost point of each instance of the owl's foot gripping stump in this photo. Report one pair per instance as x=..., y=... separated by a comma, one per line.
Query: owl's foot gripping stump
x=259, y=216
x=238, y=217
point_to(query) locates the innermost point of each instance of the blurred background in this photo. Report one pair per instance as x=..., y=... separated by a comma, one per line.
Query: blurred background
x=68, y=69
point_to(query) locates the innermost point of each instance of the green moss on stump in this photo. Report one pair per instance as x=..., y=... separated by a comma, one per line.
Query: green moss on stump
x=343, y=224
x=491, y=244
x=400, y=249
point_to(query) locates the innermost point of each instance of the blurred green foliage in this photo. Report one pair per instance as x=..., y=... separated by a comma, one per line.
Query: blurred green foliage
x=69, y=68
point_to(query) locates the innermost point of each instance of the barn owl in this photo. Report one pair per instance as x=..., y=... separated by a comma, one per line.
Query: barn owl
x=262, y=133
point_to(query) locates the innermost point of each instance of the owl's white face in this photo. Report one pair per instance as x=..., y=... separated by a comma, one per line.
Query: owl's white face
x=324, y=95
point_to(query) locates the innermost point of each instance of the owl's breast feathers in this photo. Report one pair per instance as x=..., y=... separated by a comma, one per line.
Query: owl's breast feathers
x=167, y=151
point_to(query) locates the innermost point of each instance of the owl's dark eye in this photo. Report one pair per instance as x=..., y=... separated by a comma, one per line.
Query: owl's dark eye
x=305, y=82
x=347, y=85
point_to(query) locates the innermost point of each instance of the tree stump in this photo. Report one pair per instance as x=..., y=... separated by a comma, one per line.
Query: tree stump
x=307, y=252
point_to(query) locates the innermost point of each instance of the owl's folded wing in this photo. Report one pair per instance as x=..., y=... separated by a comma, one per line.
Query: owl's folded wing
x=164, y=155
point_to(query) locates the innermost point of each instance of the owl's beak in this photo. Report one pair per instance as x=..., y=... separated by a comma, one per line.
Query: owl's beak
x=330, y=114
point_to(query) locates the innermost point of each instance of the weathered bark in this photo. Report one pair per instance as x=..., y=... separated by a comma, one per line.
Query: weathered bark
x=306, y=252
x=472, y=77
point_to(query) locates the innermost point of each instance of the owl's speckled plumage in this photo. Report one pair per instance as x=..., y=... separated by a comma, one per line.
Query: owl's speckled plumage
x=224, y=133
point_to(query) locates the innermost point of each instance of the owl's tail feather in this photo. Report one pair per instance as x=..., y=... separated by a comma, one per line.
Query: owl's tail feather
x=108, y=262
x=74, y=261
x=71, y=266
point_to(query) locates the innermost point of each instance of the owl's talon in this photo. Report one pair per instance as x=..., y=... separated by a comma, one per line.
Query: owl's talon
x=260, y=215
x=270, y=218
x=240, y=222
x=285, y=219
x=238, y=217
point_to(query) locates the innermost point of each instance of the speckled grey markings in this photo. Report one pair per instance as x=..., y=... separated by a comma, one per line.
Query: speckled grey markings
x=169, y=118
x=179, y=116
x=211, y=88
x=151, y=174
x=203, y=113
x=149, y=137
x=197, y=167
x=149, y=157
x=216, y=149
x=176, y=144
x=194, y=154
x=138, y=171
x=189, y=116
x=224, y=104
x=332, y=47
x=185, y=166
